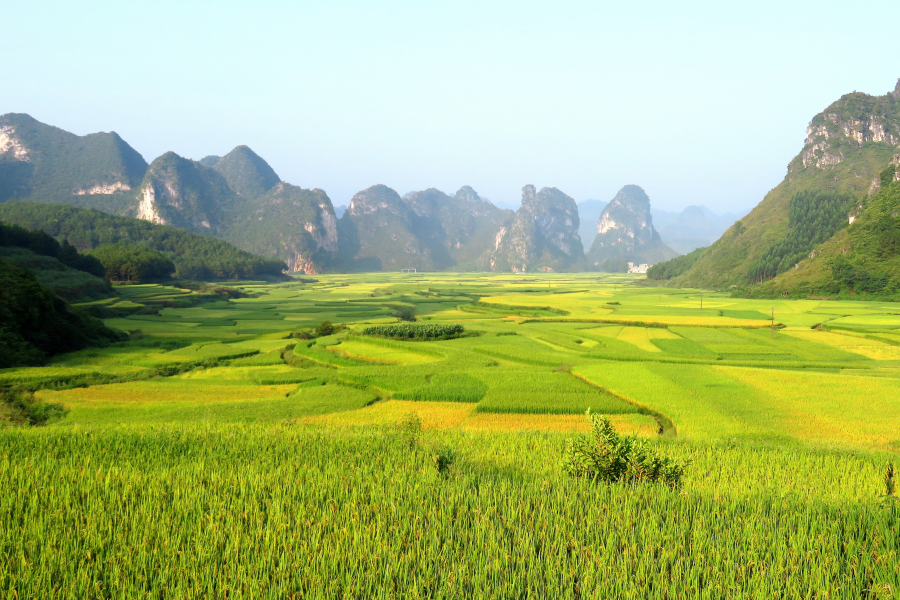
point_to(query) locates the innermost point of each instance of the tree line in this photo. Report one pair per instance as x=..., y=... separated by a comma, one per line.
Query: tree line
x=193, y=256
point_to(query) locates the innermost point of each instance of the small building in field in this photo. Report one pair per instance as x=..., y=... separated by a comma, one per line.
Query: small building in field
x=641, y=268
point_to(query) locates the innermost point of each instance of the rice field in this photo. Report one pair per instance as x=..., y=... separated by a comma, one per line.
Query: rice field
x=215, y=453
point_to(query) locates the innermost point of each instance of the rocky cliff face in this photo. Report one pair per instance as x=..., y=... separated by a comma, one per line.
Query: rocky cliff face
x=849, y=123
x=459, y=229
x=543, y=235
x=182, y=192
x=46, y=164
x=289, y=223
x=427, y=230
x=625, y=232
x=377, y=233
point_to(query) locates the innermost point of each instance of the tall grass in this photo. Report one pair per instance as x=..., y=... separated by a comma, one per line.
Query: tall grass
x=273, y=512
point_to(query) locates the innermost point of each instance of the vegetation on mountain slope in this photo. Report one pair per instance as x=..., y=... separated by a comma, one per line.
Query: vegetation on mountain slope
x=543, y=235
x=44, y=163
x=860, y=260
x=382, y=231
x=133, y=264
x=183, y=193
x=813, y=218
x=246, y=173
x=674, y=267
x=288, y=223
x=195, y=256
x=58, y=266
x=41, y=243
x=35, y=324
x=848, y=145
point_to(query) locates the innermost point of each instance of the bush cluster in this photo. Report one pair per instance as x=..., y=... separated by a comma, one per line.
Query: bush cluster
x=611, y=457
x=408, y=331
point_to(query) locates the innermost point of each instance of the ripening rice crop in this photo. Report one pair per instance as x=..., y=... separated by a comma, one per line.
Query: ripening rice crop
x=433, y=415
x=545, y=391
x=852, y=343
x=234, y=472
x=361, y=349
x=252, y=511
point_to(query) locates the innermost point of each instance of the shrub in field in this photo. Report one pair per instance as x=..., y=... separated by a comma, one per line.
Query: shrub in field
x=611, y=457
x=890, y=482
x=22, y=408
x=409, y=331
x=410, y=427
x=443, y=458
x=323, y=329
x=406, y=313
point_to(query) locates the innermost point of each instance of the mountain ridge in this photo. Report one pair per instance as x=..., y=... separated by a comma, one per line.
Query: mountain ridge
x=846, y=148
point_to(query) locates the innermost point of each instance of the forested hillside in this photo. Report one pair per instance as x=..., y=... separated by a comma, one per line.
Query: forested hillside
x=194, y=256
x=848, y=145
x=860, y=260
x=73, y=276
x=35, y=324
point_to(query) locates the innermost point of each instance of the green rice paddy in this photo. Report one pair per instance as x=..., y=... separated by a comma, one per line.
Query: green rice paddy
x=215, y=455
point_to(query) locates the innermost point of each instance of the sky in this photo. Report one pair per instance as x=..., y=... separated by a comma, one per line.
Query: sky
x=697, y=102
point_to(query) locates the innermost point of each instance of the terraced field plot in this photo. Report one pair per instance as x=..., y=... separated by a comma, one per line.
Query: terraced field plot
x=247, y=432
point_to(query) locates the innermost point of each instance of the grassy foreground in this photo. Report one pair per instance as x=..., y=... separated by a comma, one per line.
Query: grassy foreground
x=210, y=456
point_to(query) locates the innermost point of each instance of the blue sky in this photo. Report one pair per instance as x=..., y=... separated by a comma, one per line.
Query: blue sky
x=699, y=103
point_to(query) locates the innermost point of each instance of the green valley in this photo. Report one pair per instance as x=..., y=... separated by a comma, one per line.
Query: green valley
x=439, y=442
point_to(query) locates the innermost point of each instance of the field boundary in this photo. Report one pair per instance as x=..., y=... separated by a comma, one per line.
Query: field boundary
x=666, y=424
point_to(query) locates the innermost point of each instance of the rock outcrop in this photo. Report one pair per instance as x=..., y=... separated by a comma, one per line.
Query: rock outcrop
x=376, y=233
x=289, y=223
x=625, y=233
x=543, y=235
x=182, y=192
x=427, y=230
x=854, y=120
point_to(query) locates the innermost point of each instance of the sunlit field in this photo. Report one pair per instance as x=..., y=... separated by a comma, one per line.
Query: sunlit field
x=219, y=453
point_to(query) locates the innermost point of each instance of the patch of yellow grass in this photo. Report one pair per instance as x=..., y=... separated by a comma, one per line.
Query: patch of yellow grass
x=639, y=337
x=456, y=415
x=434, y=415
x=850, y=343
x=655, y=333
x=610, y=331
x=640, y=424
x=843, y=409
x=164, y=390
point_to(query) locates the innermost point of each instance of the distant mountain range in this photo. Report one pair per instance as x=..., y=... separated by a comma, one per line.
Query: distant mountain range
x=238, y=197
x=832, y=226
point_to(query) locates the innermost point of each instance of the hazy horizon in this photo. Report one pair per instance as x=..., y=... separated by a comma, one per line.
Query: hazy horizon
x=697, y=105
